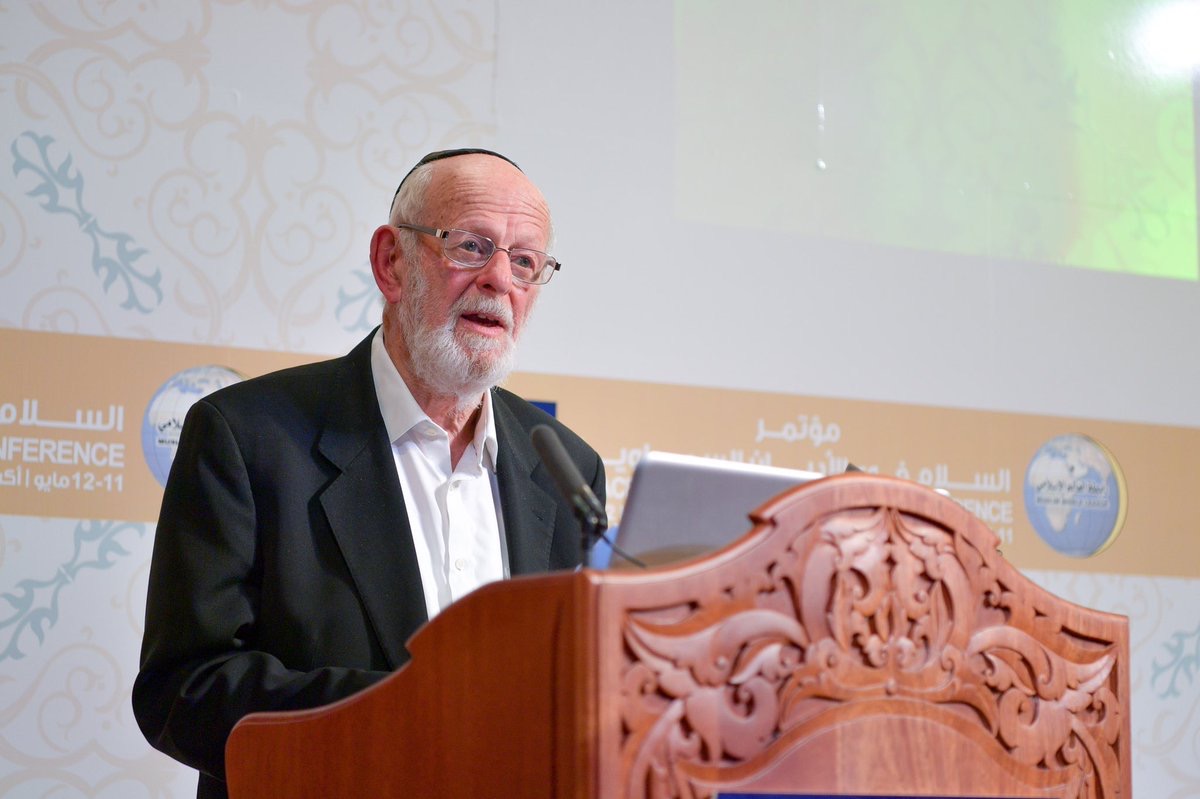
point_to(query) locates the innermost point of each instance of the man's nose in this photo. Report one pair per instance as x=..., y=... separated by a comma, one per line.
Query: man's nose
x=496, y=275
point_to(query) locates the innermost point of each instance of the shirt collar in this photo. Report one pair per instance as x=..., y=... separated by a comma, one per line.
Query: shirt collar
x=400, y=410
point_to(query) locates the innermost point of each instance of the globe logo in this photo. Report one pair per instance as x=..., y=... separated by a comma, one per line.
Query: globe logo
x=163, y=419
x=1075, y=495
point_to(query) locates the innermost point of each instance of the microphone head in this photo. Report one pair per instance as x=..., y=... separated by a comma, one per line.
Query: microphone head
x=564, y=471
x=568, y=480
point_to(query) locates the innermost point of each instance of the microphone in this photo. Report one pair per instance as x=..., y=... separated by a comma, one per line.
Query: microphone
x=579, y=495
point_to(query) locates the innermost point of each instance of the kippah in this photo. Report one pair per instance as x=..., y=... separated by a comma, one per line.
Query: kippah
x=438, y=155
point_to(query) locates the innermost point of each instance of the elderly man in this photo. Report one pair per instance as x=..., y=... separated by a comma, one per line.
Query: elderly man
x=316, y=517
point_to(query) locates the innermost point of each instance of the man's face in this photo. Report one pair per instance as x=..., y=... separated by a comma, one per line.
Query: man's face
x=460, y=326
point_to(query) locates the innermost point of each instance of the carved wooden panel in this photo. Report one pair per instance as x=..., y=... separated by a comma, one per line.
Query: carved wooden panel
x=863, y=609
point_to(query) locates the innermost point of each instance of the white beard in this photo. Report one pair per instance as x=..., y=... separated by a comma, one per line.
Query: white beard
x=463, y=365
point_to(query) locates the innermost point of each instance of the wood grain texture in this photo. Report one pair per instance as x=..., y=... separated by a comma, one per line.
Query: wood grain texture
x=868, y=637
x=865, y=637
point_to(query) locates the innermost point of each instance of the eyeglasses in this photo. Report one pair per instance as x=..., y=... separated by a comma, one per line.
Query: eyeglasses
x=473, y=251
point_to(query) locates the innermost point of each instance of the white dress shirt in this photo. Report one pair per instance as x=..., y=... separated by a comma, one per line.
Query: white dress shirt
x=454, y=512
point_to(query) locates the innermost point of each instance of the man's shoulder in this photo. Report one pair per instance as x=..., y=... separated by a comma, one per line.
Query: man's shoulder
x=305, y=385
x=302, y=384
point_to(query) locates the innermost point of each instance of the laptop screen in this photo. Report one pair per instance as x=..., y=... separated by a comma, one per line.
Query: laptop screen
x=681, y=506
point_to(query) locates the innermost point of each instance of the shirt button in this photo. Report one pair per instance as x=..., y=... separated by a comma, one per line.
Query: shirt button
x=460, y=564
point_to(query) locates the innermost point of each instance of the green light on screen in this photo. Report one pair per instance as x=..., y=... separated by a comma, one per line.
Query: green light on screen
x=1025, y=130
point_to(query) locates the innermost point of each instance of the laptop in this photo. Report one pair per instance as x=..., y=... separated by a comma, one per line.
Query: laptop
x=681, y=506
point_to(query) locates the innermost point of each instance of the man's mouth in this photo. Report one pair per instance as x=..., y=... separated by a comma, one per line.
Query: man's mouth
x=484, y=320
x=483, y=323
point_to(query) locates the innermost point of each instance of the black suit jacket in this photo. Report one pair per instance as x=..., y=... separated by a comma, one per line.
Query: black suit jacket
x=284, y=574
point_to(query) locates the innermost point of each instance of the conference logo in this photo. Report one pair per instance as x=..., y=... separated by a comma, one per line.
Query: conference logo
x=164, y=416
x=1075, y=495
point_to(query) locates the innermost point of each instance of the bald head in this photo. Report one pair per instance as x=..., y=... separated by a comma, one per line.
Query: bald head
x=438, y=155
x=409, y=200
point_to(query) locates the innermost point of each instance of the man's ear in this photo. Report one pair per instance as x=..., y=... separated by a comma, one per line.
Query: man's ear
x=386, y=262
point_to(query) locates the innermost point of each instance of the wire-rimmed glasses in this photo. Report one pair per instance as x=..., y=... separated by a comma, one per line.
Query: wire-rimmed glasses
x=472, y=251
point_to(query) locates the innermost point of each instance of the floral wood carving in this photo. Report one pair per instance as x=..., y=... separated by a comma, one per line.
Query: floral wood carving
x=867, y=603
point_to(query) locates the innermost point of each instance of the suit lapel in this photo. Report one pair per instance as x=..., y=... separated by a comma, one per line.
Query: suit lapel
x=527, y=495
x=366, y=511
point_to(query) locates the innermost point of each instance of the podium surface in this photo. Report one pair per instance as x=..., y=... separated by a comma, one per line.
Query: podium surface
x=866, y=637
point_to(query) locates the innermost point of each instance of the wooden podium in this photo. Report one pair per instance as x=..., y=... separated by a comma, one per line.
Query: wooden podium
x=866, y=637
